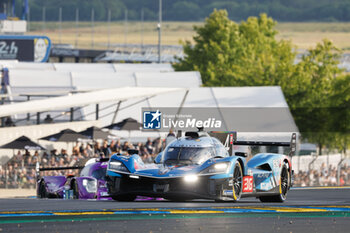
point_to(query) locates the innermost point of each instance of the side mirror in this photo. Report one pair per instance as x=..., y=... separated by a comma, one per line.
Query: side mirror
x=133, y=151
x=158, y=159
x=242, y=154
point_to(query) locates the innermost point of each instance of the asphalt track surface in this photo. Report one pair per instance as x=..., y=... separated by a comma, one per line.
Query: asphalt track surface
x=306, y=210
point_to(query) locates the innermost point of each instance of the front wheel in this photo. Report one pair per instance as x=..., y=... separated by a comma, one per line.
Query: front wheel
x=124, y=197
x=283, y=187
x=237, y=181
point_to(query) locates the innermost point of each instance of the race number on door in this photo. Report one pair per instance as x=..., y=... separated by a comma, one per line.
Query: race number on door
x=248, y=184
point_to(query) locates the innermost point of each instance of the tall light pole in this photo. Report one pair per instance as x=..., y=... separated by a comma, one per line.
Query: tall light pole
x=142, y=20
x=92, y=27
x=160, y=32
x=44, y=18
x=76, y=27
x=125, y=27
x=60, y=24
x=109, y=28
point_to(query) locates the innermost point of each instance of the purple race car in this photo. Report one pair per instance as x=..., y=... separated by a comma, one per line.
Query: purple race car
x=91, y=184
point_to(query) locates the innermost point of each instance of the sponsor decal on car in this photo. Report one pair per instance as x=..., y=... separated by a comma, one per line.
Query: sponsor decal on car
x=103, y=194
x=227, y=192
x=248, y=184
x=276, y=163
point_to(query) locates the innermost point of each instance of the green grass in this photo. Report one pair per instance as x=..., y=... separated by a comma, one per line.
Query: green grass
x=302, y=35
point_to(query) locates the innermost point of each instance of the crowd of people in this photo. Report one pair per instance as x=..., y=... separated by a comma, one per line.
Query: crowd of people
x=20, y=172
x=324, y=176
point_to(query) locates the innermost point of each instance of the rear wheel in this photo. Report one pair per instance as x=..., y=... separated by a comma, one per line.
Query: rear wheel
x=283, y=187
x=237, y=181
x=42, y=193
x=124, y=197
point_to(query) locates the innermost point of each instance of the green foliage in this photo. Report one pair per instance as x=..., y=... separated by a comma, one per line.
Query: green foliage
x=312, y=104
x=228, y=54
x=316, y=90
x=341, y=117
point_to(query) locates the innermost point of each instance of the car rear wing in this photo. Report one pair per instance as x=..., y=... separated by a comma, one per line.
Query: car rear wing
x=231, y=139
x=39, y=169
x=59, y=168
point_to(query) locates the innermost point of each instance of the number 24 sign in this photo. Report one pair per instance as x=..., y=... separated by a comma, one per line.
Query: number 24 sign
x=248, y=184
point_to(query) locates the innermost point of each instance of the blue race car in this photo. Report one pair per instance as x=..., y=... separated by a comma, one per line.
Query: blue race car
x=199, y=166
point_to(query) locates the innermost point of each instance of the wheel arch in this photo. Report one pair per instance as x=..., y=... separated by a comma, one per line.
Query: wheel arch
x=242, y=165
x=286, y=161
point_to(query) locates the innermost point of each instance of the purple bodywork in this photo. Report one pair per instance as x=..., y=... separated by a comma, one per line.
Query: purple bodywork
x=91, y=183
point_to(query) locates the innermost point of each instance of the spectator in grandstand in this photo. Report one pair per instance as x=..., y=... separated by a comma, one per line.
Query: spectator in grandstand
x=48, y=119
x=5, y=80
x=158, y=145
x=105, y=149
x=9, y=122
x=2, y=177
x=53, y=154
x=97, y=148
x=76, y=148
x=18, y=157
x=89, y=150
x=118, y=145
x=149, y=146
x=127, y=146
x=62, y=155
x=45, y=157
x=112, y=146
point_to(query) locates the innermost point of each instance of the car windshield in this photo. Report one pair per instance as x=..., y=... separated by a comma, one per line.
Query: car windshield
x=99, y=174
x=187, y=155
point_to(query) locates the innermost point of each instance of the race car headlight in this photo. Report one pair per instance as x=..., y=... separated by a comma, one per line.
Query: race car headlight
x=217, y=168
x=117, y=166
x=90, y=185
x=191, y=178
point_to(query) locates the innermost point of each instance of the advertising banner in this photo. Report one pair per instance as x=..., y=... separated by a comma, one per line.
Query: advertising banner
x=25, y=48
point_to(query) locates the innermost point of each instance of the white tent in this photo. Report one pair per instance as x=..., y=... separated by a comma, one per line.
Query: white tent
x=81, y=99
x=39, y=78
x=242, y=108
x=84, y=67
x=93, y=80
x=55, y=77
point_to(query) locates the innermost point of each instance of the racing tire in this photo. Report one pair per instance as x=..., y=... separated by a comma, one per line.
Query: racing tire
x=75, y=189
x=237, y=182
x=42, y=193
x=124, y=197
x=283, y=187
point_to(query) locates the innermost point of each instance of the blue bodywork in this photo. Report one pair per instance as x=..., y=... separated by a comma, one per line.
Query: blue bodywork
x=206, y=175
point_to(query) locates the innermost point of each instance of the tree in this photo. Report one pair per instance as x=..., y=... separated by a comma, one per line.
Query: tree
x=316, y=77
x=341, y=114
x=228, y=54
